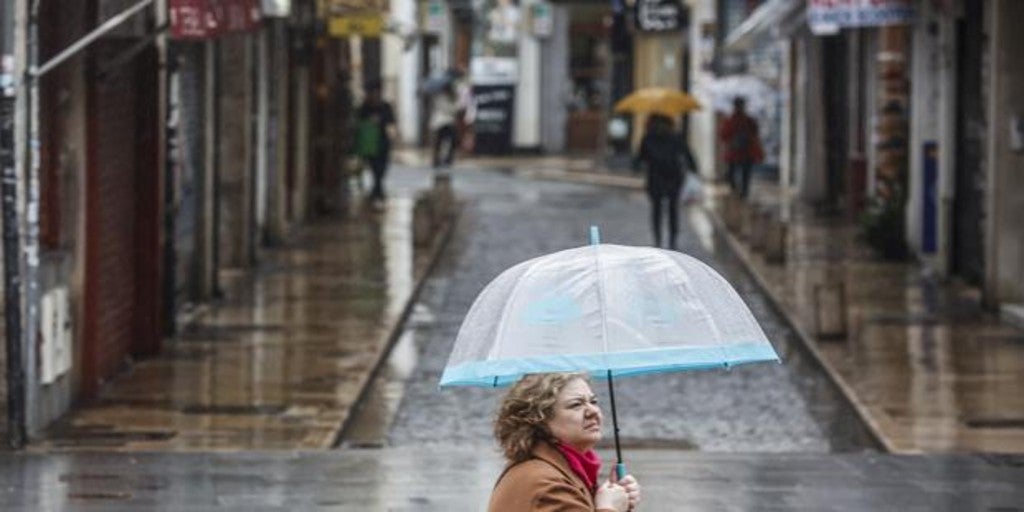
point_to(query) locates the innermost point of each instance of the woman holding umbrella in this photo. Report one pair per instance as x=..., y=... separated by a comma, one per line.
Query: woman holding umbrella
x=547, y=427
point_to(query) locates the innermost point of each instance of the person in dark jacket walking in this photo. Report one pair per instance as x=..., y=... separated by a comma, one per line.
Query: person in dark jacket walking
x=664, y=153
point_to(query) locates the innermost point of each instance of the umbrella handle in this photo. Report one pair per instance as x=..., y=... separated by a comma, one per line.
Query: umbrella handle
x=620, y=470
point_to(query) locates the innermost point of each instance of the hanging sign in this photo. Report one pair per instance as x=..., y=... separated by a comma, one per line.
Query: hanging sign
x=192, y=19
x=363, y=24
x=236, y=15
x=541, y=24
x=434, y=17
x=828, y=16
x=659, y=15
x=276, y=8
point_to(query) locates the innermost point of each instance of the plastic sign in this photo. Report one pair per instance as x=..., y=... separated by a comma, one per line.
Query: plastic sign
x=828, y=16
x=659, y=15
x=541, y=24
x=365, y=25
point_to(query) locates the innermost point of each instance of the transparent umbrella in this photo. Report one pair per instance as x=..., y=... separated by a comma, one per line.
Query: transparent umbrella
x=607, y=310
x=759, y=95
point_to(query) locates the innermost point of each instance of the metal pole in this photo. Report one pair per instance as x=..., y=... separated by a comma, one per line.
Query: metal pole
x=11, y=249
x=80, y=45
x=30, y=222
x=615, y=421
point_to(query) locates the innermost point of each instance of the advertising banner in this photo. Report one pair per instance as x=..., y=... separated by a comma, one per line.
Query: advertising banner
x=828, y=16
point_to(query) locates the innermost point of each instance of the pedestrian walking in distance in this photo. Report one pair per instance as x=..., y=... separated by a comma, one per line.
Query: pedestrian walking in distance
x=442, y=124
x=547, y=427
x=742, y=146
x=375, y=122
x=664, y=154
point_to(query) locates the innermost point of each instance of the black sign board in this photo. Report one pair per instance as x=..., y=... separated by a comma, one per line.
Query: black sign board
x=659, y=15
x=492, y=125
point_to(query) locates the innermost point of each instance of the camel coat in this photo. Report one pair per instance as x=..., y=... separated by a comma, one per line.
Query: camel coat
x=544, y=483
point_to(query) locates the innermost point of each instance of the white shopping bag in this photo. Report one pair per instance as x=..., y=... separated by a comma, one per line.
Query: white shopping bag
x=693, y=190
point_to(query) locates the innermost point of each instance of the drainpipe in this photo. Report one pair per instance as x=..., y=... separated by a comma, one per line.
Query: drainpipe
x=9, y=209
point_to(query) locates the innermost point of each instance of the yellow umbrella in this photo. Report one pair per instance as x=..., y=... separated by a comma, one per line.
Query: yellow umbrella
x=658, y=100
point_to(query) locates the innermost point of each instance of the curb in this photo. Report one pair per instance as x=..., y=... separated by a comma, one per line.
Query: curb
x=806, y=340
x=440, y=243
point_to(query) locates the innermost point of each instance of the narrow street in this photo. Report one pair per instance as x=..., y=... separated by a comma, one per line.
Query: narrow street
x=790, y=407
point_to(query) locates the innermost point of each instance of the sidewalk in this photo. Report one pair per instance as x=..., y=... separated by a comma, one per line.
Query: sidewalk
x=460, y=479
x=926, y=368
x=281, y=360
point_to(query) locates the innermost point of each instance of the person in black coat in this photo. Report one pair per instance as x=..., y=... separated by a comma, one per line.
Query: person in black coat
x=665, y=155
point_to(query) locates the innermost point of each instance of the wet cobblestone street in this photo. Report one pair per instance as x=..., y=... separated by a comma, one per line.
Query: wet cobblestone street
x=760, y=408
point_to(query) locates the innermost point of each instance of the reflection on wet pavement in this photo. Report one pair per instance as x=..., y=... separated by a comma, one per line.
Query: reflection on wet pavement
x=460, y=479
x=279, y=363
x=931, y=370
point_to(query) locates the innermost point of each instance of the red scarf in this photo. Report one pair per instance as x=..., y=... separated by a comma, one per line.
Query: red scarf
x=585, y=465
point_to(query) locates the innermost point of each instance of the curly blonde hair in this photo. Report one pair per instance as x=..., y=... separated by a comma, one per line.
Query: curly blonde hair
x=524, y=413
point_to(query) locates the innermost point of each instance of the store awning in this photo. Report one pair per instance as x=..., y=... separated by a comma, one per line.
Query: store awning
x=772, y=20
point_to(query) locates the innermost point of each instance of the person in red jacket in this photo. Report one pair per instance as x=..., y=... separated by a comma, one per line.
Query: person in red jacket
x=742, y=146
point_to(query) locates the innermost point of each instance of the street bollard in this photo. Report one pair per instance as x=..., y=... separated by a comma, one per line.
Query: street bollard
x=830, y=310
x=748, y=227
x=423, y=220
x=759, y=235
x=775, y=241
x=444, y=199
x=731, y=213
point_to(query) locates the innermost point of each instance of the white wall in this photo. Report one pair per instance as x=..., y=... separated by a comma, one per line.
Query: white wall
x=932, y=120
x=703, y=126
x=526, y=122
x=405, y=69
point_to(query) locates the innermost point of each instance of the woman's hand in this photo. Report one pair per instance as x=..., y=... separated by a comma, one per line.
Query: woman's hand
x=611, y=497
x=632, y=488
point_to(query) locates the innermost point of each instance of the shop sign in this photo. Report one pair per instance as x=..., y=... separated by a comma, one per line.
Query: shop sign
x=659, y=15
x=192, y=19
x=329, y=8
x=434, y=17
x=236, y=15
x=494, y=70
x=492, y=124
x=828, y=16
x=277, y=8
x=541, y=24
x=365, y=25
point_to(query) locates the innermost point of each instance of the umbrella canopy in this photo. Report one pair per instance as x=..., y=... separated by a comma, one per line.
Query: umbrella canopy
x=608, y=310
x=658, y=100
x=759, y=95
x=437, y=82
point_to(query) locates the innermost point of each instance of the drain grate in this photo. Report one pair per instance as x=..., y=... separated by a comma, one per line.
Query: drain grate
x=235, y=410
x=997, y=423
x=100, y=495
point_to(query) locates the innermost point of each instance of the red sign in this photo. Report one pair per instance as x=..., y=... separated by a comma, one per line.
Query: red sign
x=192, y=19
x=237, y=15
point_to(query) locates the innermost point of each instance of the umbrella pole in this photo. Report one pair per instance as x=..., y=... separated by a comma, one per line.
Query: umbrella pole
x=620, y=468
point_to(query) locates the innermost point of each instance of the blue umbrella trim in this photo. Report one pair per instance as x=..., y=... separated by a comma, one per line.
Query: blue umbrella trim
x=622, y=364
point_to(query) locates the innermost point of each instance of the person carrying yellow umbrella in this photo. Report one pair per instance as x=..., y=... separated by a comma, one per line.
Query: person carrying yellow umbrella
x=663, y=152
